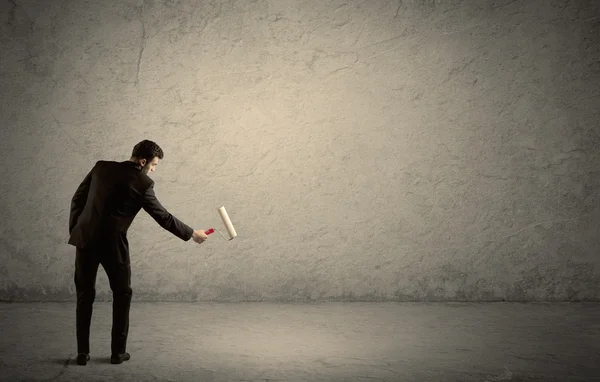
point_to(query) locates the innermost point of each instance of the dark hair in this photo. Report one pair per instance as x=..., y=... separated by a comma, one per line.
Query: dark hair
x=147, y=150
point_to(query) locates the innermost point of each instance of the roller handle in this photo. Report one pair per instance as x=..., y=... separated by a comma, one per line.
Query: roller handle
x=208, y=232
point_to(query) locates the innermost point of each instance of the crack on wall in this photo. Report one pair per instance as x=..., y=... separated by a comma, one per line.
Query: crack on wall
x=142, y=45
x=12, y=15
x=398, y=9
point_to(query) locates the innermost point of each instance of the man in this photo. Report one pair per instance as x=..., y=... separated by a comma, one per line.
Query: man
x=102, y=210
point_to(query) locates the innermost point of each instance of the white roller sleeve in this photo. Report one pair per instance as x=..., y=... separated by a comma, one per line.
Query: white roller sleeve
x=227, y=222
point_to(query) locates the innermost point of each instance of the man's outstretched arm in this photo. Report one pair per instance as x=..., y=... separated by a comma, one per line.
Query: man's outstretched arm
x=167, y=221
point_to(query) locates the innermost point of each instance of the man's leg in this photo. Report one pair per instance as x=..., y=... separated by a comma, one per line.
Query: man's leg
x=118, y=269
x=86, y=269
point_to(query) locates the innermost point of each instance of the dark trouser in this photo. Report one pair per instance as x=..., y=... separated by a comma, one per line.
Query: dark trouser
x=115, y=261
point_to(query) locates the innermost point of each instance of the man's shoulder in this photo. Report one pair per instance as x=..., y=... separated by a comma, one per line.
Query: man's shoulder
x=110, y=163
x=105, y=162
x=146, y=180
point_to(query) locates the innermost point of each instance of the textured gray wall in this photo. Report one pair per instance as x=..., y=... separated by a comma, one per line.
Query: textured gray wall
x=365, y=150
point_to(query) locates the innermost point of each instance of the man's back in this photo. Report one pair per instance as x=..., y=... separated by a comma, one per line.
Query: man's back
x=115, y=193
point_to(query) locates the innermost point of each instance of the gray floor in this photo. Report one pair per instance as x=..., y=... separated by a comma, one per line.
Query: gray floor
x=310, y=342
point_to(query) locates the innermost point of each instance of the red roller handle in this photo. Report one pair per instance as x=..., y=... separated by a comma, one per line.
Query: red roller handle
x=211, y=230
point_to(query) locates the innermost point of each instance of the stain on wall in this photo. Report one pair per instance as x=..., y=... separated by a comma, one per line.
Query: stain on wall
x=364, y=150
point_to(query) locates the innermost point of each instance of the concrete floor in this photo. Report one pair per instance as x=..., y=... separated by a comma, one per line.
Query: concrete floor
x=310, y=342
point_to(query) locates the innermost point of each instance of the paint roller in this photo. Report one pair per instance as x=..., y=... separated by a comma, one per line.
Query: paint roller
x=227, y=223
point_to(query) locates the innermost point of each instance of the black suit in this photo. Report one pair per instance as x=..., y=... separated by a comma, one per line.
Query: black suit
x=102, y=210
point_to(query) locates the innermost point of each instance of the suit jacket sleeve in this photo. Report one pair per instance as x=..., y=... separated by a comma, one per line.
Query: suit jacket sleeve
x=79, y=199
x=167, y=221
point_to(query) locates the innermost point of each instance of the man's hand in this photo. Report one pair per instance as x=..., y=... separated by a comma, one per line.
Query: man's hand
x=199, y=236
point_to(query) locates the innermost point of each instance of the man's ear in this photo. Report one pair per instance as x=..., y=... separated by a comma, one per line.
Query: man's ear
x=143, y=162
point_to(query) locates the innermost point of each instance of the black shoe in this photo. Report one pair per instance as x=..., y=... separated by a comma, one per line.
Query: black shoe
x=119, y=358
x=82, y=358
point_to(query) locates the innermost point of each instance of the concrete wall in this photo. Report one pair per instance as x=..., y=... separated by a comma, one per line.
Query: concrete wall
x=365, y=150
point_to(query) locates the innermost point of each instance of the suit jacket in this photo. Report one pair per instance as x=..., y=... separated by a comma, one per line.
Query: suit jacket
x=108, y=200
